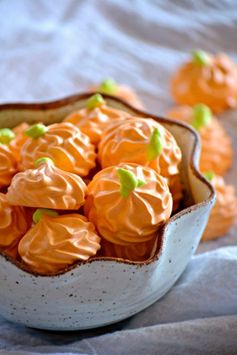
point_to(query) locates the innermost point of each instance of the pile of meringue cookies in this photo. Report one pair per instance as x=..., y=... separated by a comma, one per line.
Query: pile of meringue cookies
x=103, y=182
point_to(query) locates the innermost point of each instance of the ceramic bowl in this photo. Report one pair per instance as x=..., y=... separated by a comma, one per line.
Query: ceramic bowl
x=106, y=290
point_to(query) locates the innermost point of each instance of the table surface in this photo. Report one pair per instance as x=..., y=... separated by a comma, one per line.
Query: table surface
x=53, y=49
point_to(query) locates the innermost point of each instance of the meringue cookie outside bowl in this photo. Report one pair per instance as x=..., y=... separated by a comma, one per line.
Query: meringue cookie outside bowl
x=103, y=290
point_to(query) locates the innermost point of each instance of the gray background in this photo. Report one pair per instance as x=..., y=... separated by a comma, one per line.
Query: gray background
x=50, y=49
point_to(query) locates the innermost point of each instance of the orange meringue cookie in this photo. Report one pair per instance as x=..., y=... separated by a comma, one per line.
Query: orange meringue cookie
x=133, y=252
x=142, y=141
x=224, y=212
x=20, y=138
x=47, y=186
x=64, y=143
x=8, y=165
x=128, y=203
x=93, y=121
x=56, y=242
x=216, y=150
x=211, y=80
x=123, y=92
x=13, y=225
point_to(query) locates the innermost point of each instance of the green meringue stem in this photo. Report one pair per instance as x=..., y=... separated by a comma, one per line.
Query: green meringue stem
x=95, y=101
x=202, y=116
x=42, y=161
x=209, y=175
x=40, y=212
x=200, y=58
x=6, y=135
x=36, y=131
x=128, y=182
x=108, y=86
x=155, y=145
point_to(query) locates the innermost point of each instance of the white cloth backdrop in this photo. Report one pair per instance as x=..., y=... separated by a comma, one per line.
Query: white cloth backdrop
x=49, y=49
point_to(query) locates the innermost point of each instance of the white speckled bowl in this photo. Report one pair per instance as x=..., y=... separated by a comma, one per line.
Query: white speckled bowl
x=105, y=290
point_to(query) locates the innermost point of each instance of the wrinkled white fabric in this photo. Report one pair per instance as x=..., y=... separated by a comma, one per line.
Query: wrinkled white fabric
x=51, y=49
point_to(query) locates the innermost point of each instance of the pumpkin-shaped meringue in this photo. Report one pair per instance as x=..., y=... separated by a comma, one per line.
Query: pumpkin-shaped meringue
x=133, y=252
x=211, y=80
x=124, y=92
x=216, y=151
x=95, y=117
x=64, y=143
x=19, y=140
x=57, y=241
x=13, y=225
x=128, y=203
x=47, y=186
x=141, y=141
x=224, y=213
x=8, y=163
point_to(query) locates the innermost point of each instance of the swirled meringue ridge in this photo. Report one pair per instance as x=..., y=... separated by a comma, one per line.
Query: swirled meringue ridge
x=8, y=166
x=129, y=141
x=48, y=187
x=65, y=144
x=131, y=219
x=13, y=224
x=93, y=122
x=54, y=243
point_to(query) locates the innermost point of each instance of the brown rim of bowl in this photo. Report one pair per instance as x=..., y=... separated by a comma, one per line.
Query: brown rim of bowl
x=82, y=96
